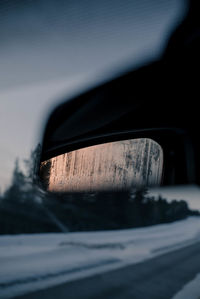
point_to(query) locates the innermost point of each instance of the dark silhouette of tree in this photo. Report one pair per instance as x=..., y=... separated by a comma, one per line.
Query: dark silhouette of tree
x=32, y=165
x=18, y=185
x=22, y=206
x=117, y=210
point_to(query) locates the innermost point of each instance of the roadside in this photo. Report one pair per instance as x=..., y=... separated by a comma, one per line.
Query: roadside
x=160, y=277
x=38, y=261
x=190, y=290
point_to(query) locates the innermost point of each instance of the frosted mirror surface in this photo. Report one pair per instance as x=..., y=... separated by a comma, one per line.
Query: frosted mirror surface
x=119, y=165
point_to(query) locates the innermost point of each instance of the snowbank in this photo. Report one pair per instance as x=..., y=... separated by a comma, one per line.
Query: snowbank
x=30, y=262
x=190, y=290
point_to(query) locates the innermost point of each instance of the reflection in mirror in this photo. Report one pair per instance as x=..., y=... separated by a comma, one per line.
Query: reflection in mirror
x=119, y=165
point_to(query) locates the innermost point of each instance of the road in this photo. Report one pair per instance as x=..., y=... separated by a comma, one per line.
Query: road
x=158, y=278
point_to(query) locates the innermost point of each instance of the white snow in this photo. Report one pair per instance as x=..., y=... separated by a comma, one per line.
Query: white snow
x=30, y=262
x=190, y=290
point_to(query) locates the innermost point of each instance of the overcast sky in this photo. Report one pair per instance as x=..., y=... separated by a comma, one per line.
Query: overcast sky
x=51, y=49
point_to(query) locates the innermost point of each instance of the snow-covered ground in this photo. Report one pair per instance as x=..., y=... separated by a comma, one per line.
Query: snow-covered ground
x=30, y=262
x=191, y=290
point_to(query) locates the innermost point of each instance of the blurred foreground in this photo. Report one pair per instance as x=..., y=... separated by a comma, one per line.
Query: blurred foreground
x=32, y=262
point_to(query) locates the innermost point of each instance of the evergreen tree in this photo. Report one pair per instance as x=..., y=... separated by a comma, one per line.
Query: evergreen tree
x=32, y=165
x=18, y=185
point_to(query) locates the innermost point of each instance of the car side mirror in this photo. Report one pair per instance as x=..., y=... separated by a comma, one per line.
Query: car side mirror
x=121, y=135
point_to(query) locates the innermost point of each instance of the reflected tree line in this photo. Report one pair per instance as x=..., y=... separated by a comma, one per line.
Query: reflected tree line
x=26, y=208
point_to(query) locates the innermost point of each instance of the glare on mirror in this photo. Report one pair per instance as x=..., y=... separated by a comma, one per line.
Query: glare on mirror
x=119, y=165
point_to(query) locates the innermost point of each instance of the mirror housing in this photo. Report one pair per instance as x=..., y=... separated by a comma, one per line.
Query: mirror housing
x=156, y=101
x=123, y=109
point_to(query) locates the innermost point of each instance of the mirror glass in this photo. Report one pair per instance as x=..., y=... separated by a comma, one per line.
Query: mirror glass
x=113, y=166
